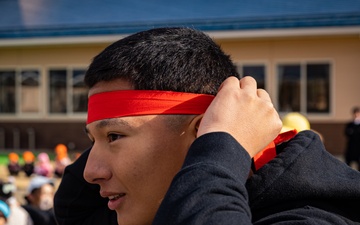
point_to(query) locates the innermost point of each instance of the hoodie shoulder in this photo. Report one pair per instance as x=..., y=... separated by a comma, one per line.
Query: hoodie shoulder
x=303, y=173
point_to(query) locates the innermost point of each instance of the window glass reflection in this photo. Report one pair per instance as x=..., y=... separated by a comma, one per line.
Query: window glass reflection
x=58, y=100
x=289, y=88
x=79, y=91
x=7, y=92
x=30, y=91
x=318, y=87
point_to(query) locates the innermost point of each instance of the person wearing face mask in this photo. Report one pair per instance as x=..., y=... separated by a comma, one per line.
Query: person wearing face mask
x=39, y=198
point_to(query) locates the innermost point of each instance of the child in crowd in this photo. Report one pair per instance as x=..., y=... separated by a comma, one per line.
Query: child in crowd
x=62, y=159
x=13, y=165
x=43, y=166
x=29, y=163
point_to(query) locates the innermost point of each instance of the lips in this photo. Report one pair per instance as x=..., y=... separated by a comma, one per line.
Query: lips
x=115, y=200
x=115, y=197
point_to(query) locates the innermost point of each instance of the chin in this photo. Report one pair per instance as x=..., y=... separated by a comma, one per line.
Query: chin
x=134, y=217
x=125, y=220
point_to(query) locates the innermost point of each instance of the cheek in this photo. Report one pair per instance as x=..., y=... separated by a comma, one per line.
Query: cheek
x=154, y=168
x=146, y=175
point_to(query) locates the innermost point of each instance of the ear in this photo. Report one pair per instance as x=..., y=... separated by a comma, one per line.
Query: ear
x=195, y=123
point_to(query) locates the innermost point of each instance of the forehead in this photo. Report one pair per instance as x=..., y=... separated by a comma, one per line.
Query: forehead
x=114, y=85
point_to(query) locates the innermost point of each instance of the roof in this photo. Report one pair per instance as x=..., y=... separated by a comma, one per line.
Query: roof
x=64, y=18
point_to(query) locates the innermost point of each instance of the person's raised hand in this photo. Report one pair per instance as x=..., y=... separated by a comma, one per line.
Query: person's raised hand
x=244, y=112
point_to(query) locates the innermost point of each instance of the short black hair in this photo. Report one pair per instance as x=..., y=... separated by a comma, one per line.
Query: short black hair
x=170, y=59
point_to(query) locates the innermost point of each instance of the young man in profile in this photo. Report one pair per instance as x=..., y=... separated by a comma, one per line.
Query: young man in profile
x=175, y=134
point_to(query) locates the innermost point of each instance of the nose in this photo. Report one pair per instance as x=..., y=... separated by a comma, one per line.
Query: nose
x=96, y=169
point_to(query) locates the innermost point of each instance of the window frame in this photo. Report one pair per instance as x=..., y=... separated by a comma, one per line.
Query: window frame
x=43, y=113
x=18, y=92
x=303, y=85
x=20, y=89
x=69, y=92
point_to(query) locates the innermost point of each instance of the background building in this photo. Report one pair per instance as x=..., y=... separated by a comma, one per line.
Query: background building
x=306, y=54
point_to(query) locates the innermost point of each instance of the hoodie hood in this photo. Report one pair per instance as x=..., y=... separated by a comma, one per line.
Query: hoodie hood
x=304, y=171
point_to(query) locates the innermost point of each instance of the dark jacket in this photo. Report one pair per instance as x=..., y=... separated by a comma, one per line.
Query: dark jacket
x=304, y=184
x=77, y=202
x=40, y=217
x=352, y=151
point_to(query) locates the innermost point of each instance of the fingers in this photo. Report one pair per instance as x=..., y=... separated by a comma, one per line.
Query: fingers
x=243, y=111
x=263, y=95
x=248, y=84
x=229, y=83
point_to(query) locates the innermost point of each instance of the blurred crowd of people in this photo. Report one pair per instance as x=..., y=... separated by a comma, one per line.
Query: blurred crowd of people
x=40, y=165
x=36, y=207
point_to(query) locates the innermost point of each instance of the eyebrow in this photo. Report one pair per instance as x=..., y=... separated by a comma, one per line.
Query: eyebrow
x=108, y=123
x=112, y=122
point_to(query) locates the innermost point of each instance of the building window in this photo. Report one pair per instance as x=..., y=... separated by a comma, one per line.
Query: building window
x=289, y=88
x=7, y=92
x=255, y=71
x=30, y=91
x=58, y=98
x=19, y=91
x=304, y=88
x=318, y=88
x=68, y=93
x=80, y=91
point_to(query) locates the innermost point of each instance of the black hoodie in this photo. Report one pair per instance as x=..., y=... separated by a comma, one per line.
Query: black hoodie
x=303, y=184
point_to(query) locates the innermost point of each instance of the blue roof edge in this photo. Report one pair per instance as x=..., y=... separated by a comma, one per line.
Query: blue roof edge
x=287, y=22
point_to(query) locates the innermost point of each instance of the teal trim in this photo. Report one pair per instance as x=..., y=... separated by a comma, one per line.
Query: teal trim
x=4, y=208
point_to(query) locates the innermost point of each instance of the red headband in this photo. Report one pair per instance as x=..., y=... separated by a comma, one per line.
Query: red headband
x=115, y=104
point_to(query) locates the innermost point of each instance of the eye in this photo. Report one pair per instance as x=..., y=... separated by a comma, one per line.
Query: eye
x=113, y=137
